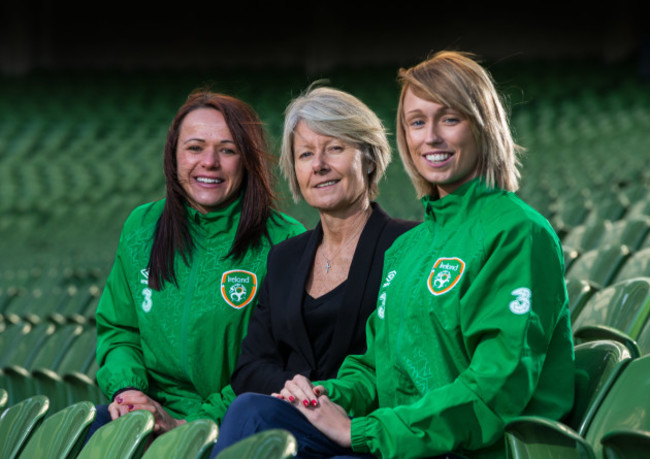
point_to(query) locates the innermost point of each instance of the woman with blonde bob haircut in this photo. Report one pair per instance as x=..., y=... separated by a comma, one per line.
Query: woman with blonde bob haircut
x=472, y=326
x=321, y=286
x=455, y=79
x=334, y=113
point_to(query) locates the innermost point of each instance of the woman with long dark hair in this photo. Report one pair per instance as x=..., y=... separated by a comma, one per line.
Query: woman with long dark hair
x=188, y=268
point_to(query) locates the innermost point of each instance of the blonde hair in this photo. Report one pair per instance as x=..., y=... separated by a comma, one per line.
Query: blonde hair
x=456, y=80
x=338, y=114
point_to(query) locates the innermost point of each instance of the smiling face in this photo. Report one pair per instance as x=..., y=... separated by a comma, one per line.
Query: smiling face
x=210, y=168
x=441, y=143
x=331, y=173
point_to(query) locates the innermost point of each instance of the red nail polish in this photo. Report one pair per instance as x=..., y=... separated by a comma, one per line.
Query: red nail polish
x=305, y=402
x=130, y=407
x=119, y=399
x=316, y=391
x=314, y=402
x=291, y=398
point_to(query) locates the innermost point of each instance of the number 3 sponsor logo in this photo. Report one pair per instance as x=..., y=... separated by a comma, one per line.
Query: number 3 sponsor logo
x=521, y=303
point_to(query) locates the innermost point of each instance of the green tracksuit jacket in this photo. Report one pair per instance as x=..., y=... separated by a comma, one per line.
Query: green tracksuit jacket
x=471, y=330
x=180, y=345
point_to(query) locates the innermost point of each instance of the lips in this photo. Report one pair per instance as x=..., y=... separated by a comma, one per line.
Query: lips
x=438, y=157
x=209, y=180
x=326, y=184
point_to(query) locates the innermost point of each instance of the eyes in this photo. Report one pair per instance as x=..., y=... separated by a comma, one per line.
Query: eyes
x=222, y=149
x=445, y=120
x=306, y=153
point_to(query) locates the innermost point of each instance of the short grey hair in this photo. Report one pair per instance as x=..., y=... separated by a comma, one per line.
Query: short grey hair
x=338, y=114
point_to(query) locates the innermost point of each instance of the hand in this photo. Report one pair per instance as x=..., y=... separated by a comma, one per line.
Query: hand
x=330, y=419
x=314, y=403
x=301, y=390
x=130, y=400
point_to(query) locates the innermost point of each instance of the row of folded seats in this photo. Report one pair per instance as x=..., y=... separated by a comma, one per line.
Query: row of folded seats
x=607, y=260
x=33, y=428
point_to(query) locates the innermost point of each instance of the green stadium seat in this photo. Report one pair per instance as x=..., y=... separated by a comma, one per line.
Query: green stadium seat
x=597, y=365
x=24, y=351
x=579, y=291
x=571, y=254
x=637, y=265
x=269, y=444
x=61, y=435
x=600, y=265
x=625, y=408
x=193, y=440
x=624, y=307
x=631, y=231
x=123, y=438
x=4, y=399
x=586, y=236
x=18, y=422
x=626, y=444
x=18, y=378
x=624, y=413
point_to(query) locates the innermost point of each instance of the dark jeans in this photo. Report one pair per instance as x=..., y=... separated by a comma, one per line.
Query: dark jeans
x=252, y=413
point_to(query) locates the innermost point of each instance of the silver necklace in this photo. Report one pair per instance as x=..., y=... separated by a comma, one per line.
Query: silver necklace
x=328, y=261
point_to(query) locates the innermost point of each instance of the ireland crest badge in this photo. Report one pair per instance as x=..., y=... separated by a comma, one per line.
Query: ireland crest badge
x=238, y=287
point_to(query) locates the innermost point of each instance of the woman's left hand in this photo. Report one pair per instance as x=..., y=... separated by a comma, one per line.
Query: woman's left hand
x=140, y=401
x=330, y=419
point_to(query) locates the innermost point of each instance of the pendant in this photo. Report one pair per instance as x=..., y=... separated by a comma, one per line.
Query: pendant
x=327, y=267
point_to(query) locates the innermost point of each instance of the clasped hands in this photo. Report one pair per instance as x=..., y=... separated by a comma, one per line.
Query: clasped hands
x=315, y=404
x=132, y=399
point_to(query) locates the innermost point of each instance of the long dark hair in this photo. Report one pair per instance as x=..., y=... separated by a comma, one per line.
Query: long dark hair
x=172, y=234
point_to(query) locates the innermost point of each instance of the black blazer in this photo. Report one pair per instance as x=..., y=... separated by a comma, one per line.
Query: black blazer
x=276, y=346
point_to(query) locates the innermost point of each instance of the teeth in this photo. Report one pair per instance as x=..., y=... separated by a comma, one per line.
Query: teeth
x=437, y=157
x=208, y=180
x=331, y=182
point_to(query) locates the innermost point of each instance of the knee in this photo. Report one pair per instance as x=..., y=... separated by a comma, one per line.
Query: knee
x=249, y=405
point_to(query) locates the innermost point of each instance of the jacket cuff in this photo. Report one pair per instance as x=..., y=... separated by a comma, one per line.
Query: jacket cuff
x=358, y=435
x=118, y=392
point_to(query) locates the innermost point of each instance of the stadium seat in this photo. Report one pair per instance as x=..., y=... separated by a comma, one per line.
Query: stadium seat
x=24, y=350
x=600, y=265
x=637, y=265
x=18, y=422
x=597, y=365
x=18, y=378
x=124, y=438
x=631, y=231
x=625, y=408
x=624, y=306
x=586, y=236
x=570, y=255
x=579, y=291
x=193, y=440
x=4, y=398
x=61, y=435
x=269, y=444
x=76, y=361
x=622, y=414
x=626, y=444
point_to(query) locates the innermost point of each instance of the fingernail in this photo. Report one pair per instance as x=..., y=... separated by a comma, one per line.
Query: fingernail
x=314, y=402
x=130, y=407
x=305, y=402
x=291, y=398
x=316, y=391
x=281, y=397
x=119, y=399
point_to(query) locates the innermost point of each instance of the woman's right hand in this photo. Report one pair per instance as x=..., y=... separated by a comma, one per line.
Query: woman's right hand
x=125, y=402
x=301, y=390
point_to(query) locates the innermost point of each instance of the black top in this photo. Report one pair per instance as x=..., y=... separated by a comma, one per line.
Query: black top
x=320, y=317
x=278, y=345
